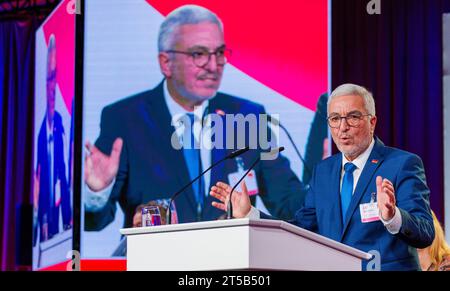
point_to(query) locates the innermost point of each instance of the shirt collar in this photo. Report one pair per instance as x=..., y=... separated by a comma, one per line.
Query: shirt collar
x=361, y=160
x=177, y=111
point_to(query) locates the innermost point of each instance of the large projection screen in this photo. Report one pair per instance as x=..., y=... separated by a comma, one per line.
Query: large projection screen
x=53, y=138
x=280, y=60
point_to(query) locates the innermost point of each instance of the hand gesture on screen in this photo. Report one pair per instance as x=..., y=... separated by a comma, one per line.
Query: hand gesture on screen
x=100, y=169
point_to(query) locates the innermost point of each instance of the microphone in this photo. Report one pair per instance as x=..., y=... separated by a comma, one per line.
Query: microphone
x=276, y=122
x=205, y=112
x=230, y=156
x=230, y=206
x=237, y=153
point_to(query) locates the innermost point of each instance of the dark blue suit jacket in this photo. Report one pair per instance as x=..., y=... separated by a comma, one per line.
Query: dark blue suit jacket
x=322, y=210
x=150, y=168
x=46, y=207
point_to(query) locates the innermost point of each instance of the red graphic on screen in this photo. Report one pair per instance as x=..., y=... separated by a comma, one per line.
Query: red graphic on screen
x=62, y=25
x=282, y=44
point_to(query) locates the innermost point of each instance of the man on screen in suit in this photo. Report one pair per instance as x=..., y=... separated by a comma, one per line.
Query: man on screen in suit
x=134, y=160
x=369, y=196
x=51, y=188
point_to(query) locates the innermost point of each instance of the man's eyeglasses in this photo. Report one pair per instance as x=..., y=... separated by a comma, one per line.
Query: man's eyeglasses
x=353, y=119
x=201, y=57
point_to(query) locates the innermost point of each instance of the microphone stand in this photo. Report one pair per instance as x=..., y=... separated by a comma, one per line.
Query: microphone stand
x=230, y=156
x=230, y=206
x=276, y=122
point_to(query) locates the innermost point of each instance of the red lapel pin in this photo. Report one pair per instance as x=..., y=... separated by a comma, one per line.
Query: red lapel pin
x=375, y=161
x=220, y=112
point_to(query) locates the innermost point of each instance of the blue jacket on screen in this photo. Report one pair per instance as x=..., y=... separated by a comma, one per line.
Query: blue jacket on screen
x=48, y=211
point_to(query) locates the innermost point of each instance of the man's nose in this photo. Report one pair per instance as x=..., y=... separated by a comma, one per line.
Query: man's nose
x=344, y=125
x=212, y=63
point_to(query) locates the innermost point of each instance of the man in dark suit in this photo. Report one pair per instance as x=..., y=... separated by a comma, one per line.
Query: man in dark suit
x=369, y=196
x=135, y=159
x=52, y=193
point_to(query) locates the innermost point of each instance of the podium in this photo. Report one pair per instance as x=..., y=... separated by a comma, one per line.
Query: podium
x=237, y=244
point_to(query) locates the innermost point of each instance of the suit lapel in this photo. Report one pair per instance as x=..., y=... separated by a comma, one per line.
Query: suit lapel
x=220, y=152
x=335, y=198
x=373, y=162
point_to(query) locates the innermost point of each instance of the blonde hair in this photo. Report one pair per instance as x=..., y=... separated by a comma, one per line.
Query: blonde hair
x=439, y=249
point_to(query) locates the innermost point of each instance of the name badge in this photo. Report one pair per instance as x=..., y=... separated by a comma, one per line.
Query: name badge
x=250, y=181
x=369, y=211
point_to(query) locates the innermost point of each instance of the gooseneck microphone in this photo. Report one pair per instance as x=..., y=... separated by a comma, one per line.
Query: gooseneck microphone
x=205, y=112
x=230, y=156
x=275, y=151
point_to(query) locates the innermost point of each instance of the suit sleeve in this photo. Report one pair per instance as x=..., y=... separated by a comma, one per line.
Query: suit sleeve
x=305, y=217
x=280, y=189
x=109, y=131
x=412, y=196
x=317, y=134
x=40, y=206
x=65, y=193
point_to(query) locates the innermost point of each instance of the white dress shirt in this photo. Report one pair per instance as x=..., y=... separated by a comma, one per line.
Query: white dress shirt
x=359, y=162
x=203, y=137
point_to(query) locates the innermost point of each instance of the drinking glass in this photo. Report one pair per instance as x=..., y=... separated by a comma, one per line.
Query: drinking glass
x=151, y=216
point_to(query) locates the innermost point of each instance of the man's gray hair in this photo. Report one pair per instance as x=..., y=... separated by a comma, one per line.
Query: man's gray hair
x=187, y=14
x=352, y=89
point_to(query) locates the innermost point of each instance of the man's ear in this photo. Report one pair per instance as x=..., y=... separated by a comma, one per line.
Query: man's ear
x=164, y=64
x=373, y=123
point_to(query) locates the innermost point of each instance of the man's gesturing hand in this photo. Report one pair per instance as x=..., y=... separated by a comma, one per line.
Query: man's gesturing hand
x=100, y=169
